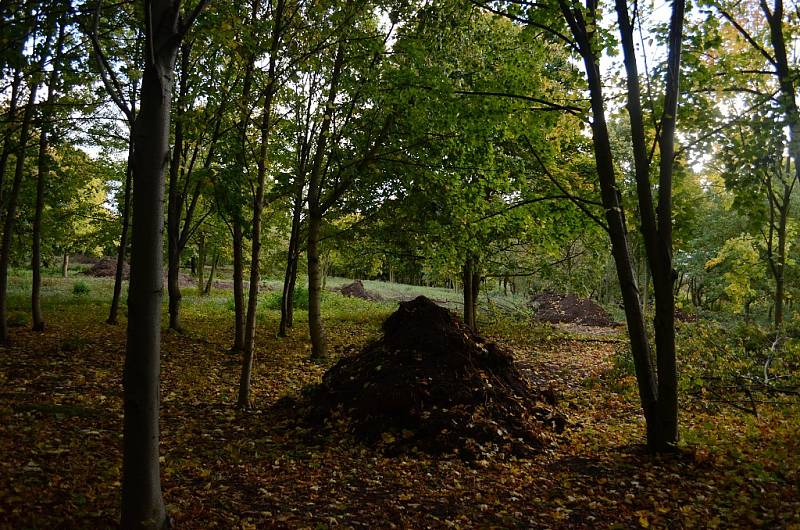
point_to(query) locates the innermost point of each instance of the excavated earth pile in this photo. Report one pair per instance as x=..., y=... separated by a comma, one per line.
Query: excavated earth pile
x=432, y=385
x=357, y=290
x=107, y=267
x=555, y=308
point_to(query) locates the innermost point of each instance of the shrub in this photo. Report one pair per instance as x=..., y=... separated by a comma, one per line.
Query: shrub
x=17, y=319
x=80, y=288
x=74, y=343
x=300, y=298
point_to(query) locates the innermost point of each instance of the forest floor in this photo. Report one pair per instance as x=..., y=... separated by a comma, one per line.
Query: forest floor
x=60, y=437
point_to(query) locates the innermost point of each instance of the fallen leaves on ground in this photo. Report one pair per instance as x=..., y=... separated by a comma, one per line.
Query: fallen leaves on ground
x=60, y=441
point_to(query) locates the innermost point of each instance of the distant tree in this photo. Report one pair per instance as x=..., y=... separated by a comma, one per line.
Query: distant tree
x=42, y=36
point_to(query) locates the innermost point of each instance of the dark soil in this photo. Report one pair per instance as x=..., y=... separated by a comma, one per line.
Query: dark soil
x=357, y=290
x=432, y=385
x=683, y=316
x=555, y=307
x=107, y=267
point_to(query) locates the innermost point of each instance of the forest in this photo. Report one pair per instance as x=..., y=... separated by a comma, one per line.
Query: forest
x=399, y=264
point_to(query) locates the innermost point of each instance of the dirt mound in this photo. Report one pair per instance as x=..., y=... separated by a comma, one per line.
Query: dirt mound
x=555, y=307
x=107, y=267
x=431, y=384
x=357, y=290
x=683, y=316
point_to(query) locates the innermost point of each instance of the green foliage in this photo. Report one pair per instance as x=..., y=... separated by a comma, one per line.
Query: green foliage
x=73, y=343
x=726, y=364
x=18, y=319
x=80, y=288
x=739, y=265
x=299, y=300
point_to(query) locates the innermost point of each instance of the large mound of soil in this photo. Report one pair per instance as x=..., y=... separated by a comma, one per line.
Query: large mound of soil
x=431, y=384
x=357, y=290
x=107, y=267
x=555, y=307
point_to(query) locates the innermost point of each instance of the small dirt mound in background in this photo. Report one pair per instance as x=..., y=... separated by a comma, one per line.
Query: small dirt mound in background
x=357, y=290
x=431, y=384
x=683, y=316
x=555, y=308
x=107, y=267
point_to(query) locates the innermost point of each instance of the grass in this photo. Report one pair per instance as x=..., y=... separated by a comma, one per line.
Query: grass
x=60, y=425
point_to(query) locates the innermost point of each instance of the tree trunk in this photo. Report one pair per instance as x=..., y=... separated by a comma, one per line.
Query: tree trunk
x=36, y=252
x=123, y=240
x=11, y=211
x=65, y=265
x=319, y=341
x=42, y=174
x=201, y=261
x=640, y=347
x=292, y=283
x=292, y=255
x=258, y=205
x=780, y=265
x=476, y=289
x=142, y=501
x=9, y=132
x=238, y=286
x=175, y=200
x=207, y=290
x=469, y=306
x=319, y=346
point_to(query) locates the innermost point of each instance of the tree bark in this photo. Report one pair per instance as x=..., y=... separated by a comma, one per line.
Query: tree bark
x=238, y=286
x=319, y=339
x=123, y=240
x=258, y=205
x=65, y=265
x=640, y=347
x=9, y=132
x=319, y=343
x=142, y=501
x=42, y=174
x=207, y=290
x=778, y=264
x=292, y=256
x=469, y=291
x=11, y=210
x=175, y=199
x=201, y=261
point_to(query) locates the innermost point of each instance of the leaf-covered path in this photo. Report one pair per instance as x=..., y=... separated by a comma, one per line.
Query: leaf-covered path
x=60, y=425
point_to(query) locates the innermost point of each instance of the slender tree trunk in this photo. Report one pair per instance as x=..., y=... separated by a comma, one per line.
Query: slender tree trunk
x=175, y=201
x=779, y=266
x=319, y=343
x=258, y=205
x=142, y=501
x=469, y=306
x=65, y=265
x=207, y=290
x=201, y=261
x=11, y=211
x=640, y=347
x=8, y=137
x=238, y=286
x=287, y=297
x=42, y=174
x=319, y=340
x=123, y=240
x=36, y=253
x=476, y=289
x=292, y=284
